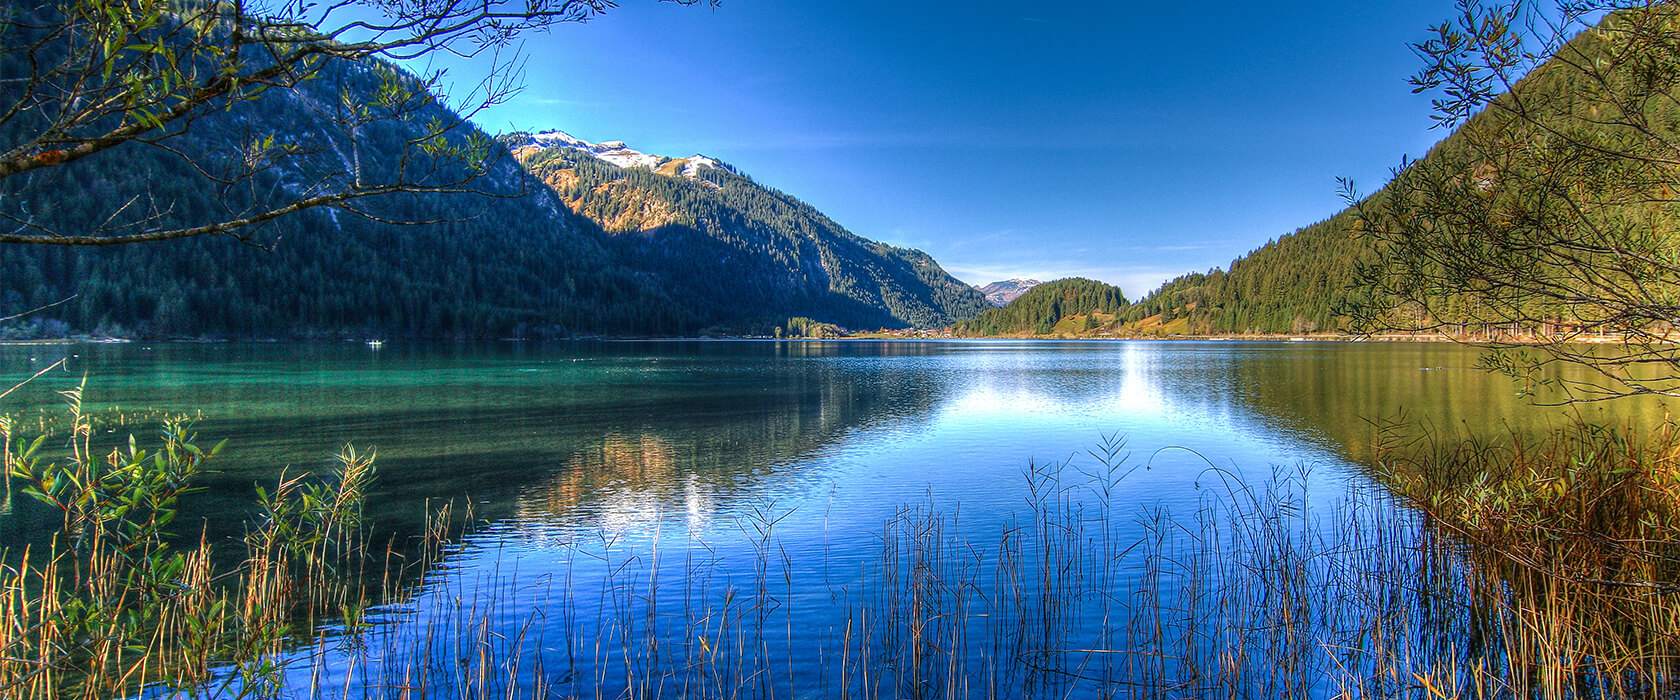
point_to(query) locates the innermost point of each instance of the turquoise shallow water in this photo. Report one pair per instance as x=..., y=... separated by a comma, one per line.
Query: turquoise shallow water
x=572, y=452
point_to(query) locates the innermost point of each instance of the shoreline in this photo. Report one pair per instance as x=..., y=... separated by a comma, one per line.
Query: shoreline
x=876, y=337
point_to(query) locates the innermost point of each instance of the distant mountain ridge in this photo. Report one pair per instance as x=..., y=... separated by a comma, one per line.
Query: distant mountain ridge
x=615, y=152
x=1039, y=311
x=1001, y=293
x=734, y=252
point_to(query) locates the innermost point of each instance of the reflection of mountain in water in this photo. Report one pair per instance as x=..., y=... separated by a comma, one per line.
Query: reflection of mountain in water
x=755, y=433
x=501, y=424
x=578, y=431
x=551, y=440
x=626, y=481
x=599, y=438
x=1331, y=394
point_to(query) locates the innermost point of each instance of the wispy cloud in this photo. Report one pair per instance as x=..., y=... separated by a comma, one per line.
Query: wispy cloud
x=839, y=140
x=553, y=102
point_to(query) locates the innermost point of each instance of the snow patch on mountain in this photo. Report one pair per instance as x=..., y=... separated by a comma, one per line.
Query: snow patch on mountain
x=621, y=155
x=694, y=163
x=1001, y=293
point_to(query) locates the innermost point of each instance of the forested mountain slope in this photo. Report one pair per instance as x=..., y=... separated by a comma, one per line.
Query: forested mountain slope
x=513, y=260
x=735, y=252
x=1291, y=285
x=1037, y=311
x=512, y=263
x=1298, y=282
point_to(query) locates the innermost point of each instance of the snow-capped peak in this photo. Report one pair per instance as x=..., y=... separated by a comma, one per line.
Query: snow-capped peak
x=617, y=153
x=556, y=137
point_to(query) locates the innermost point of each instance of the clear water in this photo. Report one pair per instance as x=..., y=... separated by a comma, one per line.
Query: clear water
x=582, y=456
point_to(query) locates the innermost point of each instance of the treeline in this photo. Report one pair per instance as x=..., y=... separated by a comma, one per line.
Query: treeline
x=1295, y=284
x=1042, y=307
x=801, y=327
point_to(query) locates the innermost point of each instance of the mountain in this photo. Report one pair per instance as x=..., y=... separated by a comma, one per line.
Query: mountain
x=512, y=262
x=712, y=249
x=735, y=253
x=1290, y=285
x=1297, y=282
x=1041, y=309
x=1001, y=293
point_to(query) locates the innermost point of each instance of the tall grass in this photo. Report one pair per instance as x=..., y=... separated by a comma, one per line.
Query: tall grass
x=1257, y=593
x=110, y=605
x=1484, y=569
x=1576, y=534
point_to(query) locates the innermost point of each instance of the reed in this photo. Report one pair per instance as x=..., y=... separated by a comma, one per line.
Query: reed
x=1575, y=532
x=1257, y=593
x=1517, y=568
x=110, y=605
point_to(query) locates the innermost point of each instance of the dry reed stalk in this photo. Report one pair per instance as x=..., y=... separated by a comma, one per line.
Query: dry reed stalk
x=1255, y=594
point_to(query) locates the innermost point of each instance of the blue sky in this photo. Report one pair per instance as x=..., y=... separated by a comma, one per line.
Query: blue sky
x=1126, y=142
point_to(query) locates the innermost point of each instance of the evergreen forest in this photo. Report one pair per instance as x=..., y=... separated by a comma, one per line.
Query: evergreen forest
x=1039, y=310
x=505, y=258
x=736, y=250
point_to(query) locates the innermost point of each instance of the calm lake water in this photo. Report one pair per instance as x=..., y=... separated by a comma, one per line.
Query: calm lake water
x=584, y=456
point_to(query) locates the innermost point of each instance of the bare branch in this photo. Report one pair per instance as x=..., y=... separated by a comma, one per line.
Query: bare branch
x=92, y=78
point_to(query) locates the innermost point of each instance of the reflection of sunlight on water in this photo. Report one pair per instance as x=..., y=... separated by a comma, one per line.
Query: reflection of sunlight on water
x=698, y=502
x=1127, y=382
x=628, y=509
x=1140, y=387
x=989, y=401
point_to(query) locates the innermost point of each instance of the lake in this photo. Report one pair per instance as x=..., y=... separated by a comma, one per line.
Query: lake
x=634, y=494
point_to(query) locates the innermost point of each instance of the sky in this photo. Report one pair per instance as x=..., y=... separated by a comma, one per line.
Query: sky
x=1126, y=142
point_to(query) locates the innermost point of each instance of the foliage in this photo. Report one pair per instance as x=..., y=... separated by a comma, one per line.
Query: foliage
x=801, y=327
x=1040, y=308
x=1584, y=519
x=1584, y=501
x=111, y=604
x=1551, y=212
x=100, y=79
